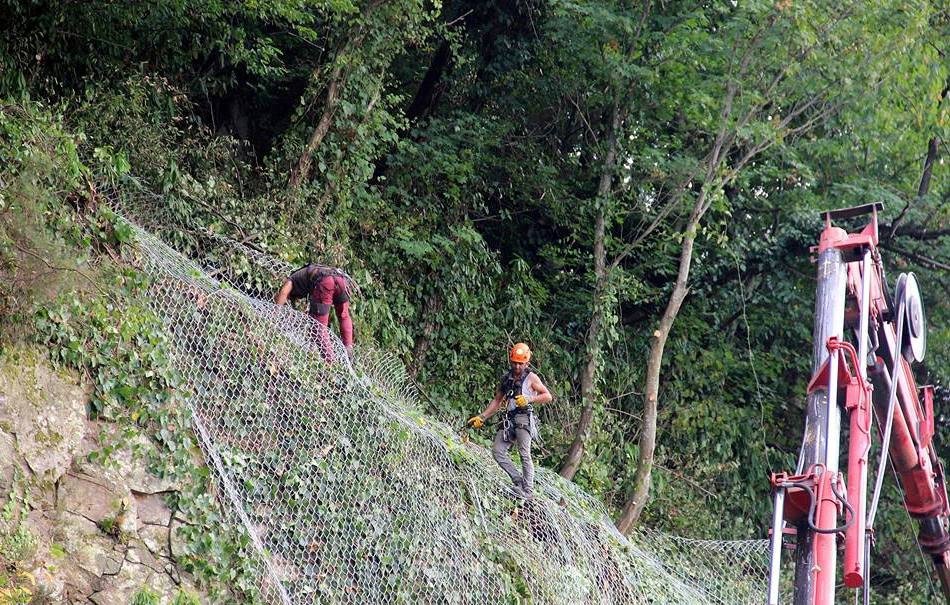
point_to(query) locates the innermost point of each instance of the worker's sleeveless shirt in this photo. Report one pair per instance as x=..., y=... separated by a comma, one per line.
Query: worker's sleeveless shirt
x=511, y=386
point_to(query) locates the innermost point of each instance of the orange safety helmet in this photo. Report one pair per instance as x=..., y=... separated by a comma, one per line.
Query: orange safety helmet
x=520, y=353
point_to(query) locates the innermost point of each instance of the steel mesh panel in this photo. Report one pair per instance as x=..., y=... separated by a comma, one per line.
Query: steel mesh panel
x=348, y=493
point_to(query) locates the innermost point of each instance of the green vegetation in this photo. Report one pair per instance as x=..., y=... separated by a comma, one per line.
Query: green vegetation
x=185, y=598
x=145, y=596
x=17, y=545
x=489, y=172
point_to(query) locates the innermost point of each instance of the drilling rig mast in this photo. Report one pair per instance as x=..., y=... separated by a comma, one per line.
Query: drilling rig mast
x=865, y=339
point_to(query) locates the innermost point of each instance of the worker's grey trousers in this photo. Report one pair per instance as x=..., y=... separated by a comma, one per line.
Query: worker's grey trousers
x=499, y=450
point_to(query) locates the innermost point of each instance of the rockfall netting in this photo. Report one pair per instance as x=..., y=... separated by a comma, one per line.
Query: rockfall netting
x=348, y=493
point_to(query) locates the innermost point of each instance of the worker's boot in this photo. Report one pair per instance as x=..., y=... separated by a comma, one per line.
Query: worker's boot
x=528, y=493
x=516, y=491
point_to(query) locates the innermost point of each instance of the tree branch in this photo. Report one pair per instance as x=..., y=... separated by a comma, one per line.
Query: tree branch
x=53, y=267
x=930, y=262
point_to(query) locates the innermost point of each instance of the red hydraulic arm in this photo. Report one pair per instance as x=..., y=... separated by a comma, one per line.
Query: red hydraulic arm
x=867, y=379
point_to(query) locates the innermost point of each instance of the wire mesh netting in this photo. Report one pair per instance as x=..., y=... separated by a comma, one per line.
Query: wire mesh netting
x=348, y=493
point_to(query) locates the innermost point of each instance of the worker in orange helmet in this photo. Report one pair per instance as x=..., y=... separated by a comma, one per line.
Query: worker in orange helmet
x=519, y=390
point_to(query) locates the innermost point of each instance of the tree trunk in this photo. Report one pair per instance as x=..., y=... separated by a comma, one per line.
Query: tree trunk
x=932, y=148
x=641, y=480
x=430, y=310
x=301, y=171
x=572, y=461
x=575, y=453
x=923, y=187
x=430, y=89
x=725, y=142
x=331, y=187
x=647, y=444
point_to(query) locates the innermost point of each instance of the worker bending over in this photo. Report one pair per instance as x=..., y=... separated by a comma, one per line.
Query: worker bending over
x=519, y=390
x=326, y=287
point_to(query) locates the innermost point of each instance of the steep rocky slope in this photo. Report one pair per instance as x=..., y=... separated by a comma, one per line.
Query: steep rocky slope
x=78, y=525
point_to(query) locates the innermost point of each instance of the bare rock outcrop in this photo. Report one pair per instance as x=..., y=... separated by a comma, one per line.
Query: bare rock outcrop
x=85, y=531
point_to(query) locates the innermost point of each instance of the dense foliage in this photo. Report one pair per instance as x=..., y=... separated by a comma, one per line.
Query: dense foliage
x=468, y=163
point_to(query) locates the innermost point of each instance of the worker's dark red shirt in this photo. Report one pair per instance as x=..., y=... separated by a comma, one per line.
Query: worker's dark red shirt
x=303, y=280
x=306, y=280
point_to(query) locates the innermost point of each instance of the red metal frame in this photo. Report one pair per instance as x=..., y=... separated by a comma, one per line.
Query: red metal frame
x=810, y=496
x=857, y=401
x=810, y=499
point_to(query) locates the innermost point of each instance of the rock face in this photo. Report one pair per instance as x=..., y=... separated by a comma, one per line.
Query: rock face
x=85, y=532
x=44, y=412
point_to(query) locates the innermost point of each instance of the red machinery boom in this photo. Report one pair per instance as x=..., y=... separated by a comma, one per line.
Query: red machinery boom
x=871, y=377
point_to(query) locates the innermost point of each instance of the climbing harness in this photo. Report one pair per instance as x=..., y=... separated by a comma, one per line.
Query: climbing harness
x=512, y=387
x=511, y=422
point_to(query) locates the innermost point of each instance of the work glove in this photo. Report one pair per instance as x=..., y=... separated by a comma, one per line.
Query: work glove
x=476, y=422
x=521, y=401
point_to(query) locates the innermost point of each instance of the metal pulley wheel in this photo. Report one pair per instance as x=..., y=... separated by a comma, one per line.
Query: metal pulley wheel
x=914, y=341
